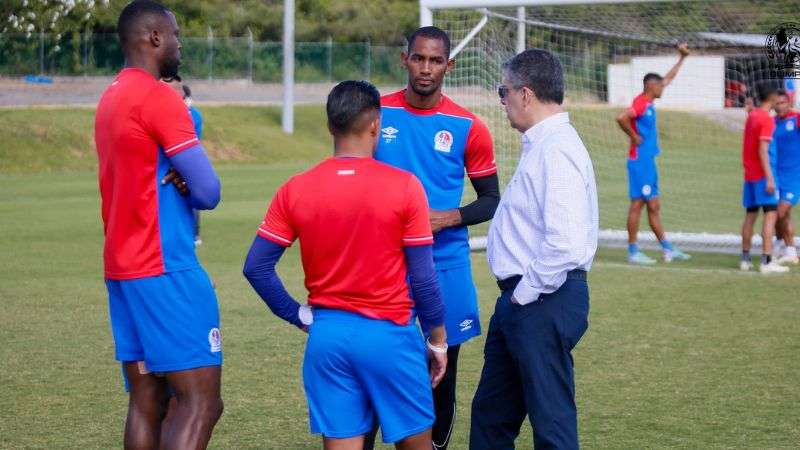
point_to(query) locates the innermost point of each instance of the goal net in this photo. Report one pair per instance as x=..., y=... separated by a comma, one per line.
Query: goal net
x=605, y=50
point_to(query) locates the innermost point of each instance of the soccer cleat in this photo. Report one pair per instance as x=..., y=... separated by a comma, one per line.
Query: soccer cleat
x=675, y=255
x=789, y=259
x=772, y=267
x=745, y=266
x=640, y=259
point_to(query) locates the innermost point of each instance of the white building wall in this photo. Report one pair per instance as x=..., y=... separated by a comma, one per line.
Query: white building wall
x=700, y=84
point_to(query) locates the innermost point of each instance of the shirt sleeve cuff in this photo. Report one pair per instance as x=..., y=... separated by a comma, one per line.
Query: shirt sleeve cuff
x=274, y=237
x=525, y=293
x=482, y=172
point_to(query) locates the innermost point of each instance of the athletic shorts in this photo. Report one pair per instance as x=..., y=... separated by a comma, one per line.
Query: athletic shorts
x=461, y=318
x=358, y=369
x=642, y=179
x=170, y=321
x=754, y=194
x=789, y=190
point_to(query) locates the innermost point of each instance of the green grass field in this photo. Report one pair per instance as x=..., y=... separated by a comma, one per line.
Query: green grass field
x=693, y=355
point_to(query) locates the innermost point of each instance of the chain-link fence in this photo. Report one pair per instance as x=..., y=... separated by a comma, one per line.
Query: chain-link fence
x=207, y=57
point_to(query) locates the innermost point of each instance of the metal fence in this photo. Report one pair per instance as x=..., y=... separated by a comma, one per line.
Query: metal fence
x=207, y=57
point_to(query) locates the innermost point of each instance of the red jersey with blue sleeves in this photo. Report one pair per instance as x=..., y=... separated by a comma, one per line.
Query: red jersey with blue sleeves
x=437, y=145
x=353, y=216
x=140, y=123
x=787, y=145
x=644, y=124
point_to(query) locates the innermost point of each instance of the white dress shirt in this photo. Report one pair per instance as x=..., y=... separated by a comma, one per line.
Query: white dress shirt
x=547, y=221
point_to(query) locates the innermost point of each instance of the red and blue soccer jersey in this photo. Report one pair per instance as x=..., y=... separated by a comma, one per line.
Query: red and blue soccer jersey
x=759, y=127
x=644, y=124
x=787, y=145
x=353, y=216
x=437, y=145
x=140, y=123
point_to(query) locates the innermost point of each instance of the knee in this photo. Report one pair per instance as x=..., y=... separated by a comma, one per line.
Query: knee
x=206, y=409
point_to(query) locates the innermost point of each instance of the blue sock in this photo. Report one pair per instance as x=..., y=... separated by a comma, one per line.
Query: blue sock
x=746, y=255
x=633, y=248
x=766, y=259
x=666, y=245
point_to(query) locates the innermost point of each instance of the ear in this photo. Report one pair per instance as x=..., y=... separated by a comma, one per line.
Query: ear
x=330, y=130
x=375, y=126
x=155, y=38
x=451, y=64
x=404, y=59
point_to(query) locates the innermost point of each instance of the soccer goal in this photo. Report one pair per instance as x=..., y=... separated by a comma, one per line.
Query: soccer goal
x=606, y=48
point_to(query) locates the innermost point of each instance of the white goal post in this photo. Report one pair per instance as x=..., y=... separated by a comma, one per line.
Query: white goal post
x=606, y=47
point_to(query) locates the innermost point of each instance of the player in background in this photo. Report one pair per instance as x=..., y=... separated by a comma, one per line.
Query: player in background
x=787, y=147
x=425, y=132
x=163, y=309
x=639, y=123
x=186, y=94
x=760, y=187
x=363, y=227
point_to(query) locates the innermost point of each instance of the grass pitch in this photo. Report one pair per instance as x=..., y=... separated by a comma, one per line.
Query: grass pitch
x=689, y=355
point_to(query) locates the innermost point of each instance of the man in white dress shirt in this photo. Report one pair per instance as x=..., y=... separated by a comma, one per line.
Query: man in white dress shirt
x=540, y=247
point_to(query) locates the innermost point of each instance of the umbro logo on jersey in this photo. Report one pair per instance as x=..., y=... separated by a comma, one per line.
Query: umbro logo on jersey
x=389, y=134
x=789, y=126
x=465, y=325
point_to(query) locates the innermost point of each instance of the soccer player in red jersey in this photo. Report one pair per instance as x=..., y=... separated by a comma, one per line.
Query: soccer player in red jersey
x=163, y=309
x=364, y=230
x=760, y=188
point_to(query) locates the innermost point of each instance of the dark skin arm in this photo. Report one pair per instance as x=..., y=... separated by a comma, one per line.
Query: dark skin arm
x=479, y=211
x=175, y=178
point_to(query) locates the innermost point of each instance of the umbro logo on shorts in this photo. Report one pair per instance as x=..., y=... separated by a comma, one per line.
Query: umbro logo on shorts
x=465, y=325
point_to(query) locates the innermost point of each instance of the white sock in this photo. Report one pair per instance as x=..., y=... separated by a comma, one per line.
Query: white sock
x=791, y=251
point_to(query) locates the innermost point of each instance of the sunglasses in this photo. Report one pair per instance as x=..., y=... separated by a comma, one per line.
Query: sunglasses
x=502, y=92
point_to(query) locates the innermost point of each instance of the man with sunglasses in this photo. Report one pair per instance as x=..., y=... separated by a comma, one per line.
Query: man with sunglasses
x=425, y=132
x=541, y=245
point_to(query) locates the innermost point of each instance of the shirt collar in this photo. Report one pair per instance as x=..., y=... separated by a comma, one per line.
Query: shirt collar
x=543, y=128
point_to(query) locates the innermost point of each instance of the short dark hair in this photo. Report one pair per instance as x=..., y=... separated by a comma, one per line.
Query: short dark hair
x=651, y=77
x=349, y=103
x=430, y=33
x=187, y=91
x=135, y=12
x=766, y=89
x=539, y=71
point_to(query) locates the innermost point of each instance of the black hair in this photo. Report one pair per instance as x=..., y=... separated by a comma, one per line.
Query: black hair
x=651, y=77
x=539, y=71
x=348, y=102
x=766, y=89
x=430, y=33
x=135, y=12
x=187, y=91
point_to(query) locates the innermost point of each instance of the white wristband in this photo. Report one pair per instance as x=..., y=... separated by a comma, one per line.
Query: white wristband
x=435, y=348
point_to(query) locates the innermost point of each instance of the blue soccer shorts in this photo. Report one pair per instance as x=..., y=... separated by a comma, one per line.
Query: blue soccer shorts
x=170, y=321
x=642, y=178
x=358, y=369
x=754, y=194
x=789, y=190
x=462, y=317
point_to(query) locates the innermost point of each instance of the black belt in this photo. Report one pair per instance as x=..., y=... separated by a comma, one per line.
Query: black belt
x=511, y=282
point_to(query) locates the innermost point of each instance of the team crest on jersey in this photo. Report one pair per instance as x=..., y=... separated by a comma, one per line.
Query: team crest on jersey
x=215, y=340
x=389, y=134
x=789, y=126
x=443, y=141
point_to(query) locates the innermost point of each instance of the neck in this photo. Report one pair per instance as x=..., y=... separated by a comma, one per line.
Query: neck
x=136, y=61
x=353, y=146
x=766, y=106
x=423, y=101
x=649, y=95
x=541, y=113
